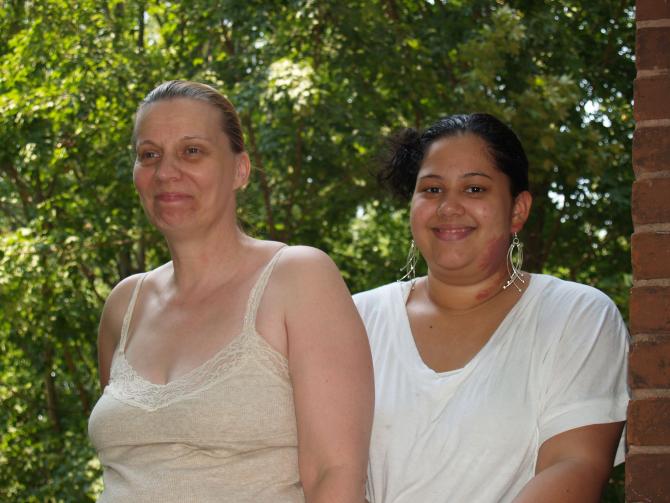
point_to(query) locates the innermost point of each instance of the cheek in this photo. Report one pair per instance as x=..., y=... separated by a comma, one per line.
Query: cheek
x=140, y=177
x=418, y=213
x=496, y=219
x=142, y=181
x=486, y=213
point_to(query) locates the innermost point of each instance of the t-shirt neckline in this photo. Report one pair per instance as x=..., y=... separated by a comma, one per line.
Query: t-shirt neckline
x=413, y=357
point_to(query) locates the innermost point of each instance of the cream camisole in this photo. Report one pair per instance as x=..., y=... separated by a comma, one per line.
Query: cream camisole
x=225, y=431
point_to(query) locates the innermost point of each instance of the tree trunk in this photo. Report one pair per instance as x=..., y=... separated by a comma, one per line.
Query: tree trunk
x=50, y=388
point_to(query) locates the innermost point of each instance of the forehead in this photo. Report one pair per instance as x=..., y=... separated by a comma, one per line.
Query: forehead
x=178, y=116
x=463, y=151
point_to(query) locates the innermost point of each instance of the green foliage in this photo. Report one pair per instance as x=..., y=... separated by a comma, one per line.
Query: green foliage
x=318, y=85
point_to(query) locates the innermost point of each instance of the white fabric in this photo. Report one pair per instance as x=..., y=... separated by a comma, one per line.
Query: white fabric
x=556, y=362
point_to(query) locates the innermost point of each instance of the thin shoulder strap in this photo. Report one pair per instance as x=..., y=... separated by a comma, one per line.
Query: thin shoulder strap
x=258, y=290
x=129, y=313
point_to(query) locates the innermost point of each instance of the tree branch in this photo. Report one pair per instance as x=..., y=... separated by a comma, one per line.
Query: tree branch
x=90, y=277
x=228, y=44
x=549, y=242
x=391, y=11
x=140, y=27
x=265, y=186
x=22, y=188
x=297, y=174
x=81, y=390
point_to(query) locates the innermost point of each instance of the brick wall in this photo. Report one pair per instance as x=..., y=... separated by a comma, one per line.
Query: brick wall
x=648, y=459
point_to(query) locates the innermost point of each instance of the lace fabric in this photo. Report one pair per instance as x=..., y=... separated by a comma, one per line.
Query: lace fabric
x=248, y=347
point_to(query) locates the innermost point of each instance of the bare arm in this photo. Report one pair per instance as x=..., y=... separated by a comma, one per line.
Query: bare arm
x=109, y=330
x=573, y=466
x=331, y=370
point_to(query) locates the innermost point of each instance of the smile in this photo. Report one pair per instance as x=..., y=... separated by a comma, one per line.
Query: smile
x=171, y=197
x=452, y=233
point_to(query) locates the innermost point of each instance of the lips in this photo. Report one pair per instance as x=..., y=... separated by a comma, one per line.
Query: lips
x=452, y=233
x=171, y=197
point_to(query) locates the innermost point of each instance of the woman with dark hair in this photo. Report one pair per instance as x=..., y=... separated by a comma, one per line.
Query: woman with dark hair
x=491, y=384
x=238, y=371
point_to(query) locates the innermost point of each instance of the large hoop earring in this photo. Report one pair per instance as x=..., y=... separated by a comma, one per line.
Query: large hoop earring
x=514, y=263
x=410, y=264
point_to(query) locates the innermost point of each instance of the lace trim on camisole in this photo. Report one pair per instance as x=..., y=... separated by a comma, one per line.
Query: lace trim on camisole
x=131, y=388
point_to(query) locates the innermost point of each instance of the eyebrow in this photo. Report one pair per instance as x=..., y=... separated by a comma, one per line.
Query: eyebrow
x=196, y=137
x=464, y=175
x=144, y=142
x=188, y=137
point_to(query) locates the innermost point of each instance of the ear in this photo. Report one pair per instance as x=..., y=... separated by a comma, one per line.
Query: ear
x=242, y=170
x=521, y=210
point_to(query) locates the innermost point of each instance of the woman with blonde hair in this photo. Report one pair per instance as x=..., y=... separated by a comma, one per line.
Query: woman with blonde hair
x=238, y=371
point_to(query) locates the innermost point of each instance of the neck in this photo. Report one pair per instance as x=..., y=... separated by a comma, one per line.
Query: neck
x=462, y=298
x=211, y=259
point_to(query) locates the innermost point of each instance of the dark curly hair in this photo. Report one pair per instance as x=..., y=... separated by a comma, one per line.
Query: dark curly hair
x=407, y=149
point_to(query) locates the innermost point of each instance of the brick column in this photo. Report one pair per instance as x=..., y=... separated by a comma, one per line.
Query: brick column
x=648, y=459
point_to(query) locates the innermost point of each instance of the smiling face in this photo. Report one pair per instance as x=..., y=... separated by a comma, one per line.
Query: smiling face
x=186, y=172
x=462, y=212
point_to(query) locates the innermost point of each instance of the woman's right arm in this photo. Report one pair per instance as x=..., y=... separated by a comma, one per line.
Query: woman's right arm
x=109, y=330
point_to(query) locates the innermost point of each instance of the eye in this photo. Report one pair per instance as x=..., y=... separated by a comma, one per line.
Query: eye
x=475, y=189
x=148, y=155
x=193, y=150
x=431, y=190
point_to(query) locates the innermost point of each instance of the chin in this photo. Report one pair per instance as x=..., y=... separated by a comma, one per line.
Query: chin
x=173, y=224
x=451, y=261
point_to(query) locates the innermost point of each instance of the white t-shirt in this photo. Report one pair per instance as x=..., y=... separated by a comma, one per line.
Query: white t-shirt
x=556, y=362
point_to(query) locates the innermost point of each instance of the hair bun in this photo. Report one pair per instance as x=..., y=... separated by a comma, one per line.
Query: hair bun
x=401, y=164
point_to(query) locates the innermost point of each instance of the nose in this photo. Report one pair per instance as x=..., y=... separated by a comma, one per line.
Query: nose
x=450, y=206
x=167, y=168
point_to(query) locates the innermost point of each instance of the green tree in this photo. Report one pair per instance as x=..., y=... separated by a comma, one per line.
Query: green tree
x=318, y=85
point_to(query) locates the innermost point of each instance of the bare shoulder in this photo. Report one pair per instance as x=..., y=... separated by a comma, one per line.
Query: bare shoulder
x=314, y=283
x=111, y=321
x=305, y=263
x=114, y=310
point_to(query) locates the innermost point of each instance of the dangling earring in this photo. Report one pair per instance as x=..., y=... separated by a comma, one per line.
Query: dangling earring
x=514, y=263
x=410, y=265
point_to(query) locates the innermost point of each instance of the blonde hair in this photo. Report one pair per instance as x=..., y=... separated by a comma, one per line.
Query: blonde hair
x=202, y=92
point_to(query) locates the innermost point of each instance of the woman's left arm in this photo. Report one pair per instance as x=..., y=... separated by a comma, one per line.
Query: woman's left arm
x=574, y=466
x=331, y=371
x=583, y=402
